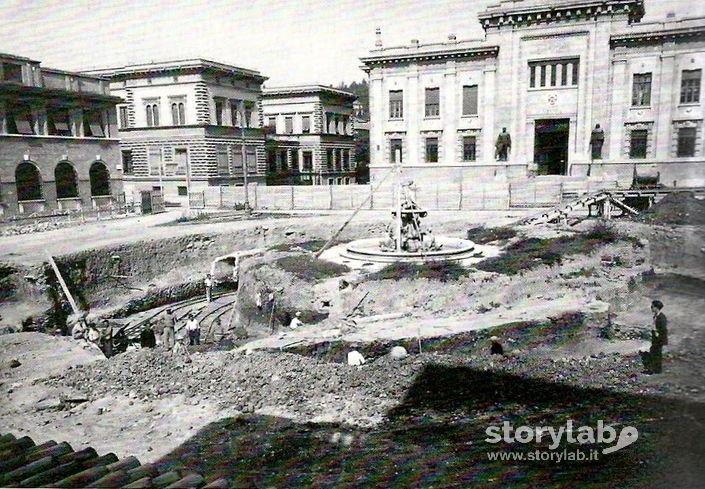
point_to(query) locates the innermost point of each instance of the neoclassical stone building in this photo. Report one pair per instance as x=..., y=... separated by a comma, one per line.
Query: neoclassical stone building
x=58, y=140
x=184, y=123
x=547, y=72
x=310, y=135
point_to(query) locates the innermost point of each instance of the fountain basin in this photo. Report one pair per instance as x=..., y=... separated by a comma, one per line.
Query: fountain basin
x=369, y=250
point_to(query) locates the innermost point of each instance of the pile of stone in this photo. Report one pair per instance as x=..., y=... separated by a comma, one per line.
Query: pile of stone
x=307, y=388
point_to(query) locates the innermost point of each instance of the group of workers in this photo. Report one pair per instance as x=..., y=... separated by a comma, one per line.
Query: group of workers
x=108, y=338
x=164, y=332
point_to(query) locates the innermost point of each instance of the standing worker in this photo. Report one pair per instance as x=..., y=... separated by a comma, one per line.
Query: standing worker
x=208, y=282
x=653, y=360
x=194, y=330
x=168, y=334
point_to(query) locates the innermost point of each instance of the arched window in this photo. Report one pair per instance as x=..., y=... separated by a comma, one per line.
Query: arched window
x=29, y=182
x=66, y=181
x=100, y=179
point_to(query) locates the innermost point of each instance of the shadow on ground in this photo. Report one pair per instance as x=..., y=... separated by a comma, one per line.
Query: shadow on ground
x=436, y=438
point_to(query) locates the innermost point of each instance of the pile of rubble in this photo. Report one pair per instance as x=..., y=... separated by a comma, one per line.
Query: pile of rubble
x=305, y=388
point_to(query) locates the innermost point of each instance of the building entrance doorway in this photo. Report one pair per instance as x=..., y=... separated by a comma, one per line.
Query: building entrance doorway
x=551, y=146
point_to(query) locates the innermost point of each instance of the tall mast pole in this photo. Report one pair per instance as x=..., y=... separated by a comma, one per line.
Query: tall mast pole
x=399, y=197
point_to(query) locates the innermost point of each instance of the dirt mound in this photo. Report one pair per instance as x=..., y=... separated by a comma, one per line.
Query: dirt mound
x=305, y=388
x=676, y=208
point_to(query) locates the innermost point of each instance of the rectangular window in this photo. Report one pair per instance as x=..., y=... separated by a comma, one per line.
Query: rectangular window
x=295, y=160
x=123, y=118
x=306, y=124
x=283, y=161
x=272, y=160
x=554, y=73
x=686, y=142
x=180, y=161
x=272, y=122
x=235, y=113
x=182, y=191
x=308, y=161
x=396, y=104
x=469, y=148
x=93, y=124
x=237, y=159
x=433, y=103
x=331, y=123
x=339, y=160
x=641, y=89
x=432, y=150
x=690, y=86
x=155, y=161
x=219, y=110
x=19, y=119
x=470, y=100
x=222, y=161
x=127, y=167
x=288, y=125
x=396, y=154
x=251, y=159
x=637, y=145
x=58, y=122
x=329, y=159
x=249, y=115
x=12, y=72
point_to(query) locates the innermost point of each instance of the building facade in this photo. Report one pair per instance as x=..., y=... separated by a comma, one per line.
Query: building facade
x=189, y=124
x=528, y=98
x=310, y=135
x=58, y=140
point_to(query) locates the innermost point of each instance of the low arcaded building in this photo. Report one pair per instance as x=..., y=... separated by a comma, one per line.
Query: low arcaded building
x=188, y=124
x=59, y=144
x=310, y=135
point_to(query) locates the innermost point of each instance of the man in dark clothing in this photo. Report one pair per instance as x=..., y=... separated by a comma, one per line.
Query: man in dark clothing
x=496, y=348
x=653, y=360
x=147, y=337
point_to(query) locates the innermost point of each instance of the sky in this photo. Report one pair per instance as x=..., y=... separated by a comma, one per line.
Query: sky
x=291, y=42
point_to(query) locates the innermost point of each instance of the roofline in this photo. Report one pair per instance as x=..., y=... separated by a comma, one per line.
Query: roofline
x=73, y=73
x=174, y=65
x=518, y=14
x=306, y=89
x=55, y=92
x=17, y=58
x=409, y=55
x=622, y=38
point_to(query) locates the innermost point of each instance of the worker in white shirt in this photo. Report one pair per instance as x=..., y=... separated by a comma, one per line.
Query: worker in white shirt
x=194, y=330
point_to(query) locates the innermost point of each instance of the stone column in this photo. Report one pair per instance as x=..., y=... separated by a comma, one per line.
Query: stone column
x=615, y=131
x=449, y=114
x=489, y=90
x=3, y=118
x=664, y=105
x=378, y=120
x=412, y=114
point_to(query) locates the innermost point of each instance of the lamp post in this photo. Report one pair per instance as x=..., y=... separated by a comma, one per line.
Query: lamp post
x=244, y=158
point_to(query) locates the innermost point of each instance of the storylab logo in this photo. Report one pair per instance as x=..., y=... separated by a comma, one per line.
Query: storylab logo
x=582, y=435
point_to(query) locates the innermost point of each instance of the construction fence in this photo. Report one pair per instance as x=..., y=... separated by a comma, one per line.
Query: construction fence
x=440, y=195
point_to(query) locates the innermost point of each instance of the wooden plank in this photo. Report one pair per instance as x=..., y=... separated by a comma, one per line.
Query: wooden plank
x=64, y=287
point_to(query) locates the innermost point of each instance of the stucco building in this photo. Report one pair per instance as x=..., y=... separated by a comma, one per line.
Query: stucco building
x=58, y=139
x=547, y=73
x=310, y=135
x=188, y=124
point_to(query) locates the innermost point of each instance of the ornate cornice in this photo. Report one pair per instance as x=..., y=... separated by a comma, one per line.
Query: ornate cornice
x=690, y=33
x=413, y=55
x=523, y=14
x=180, y=67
